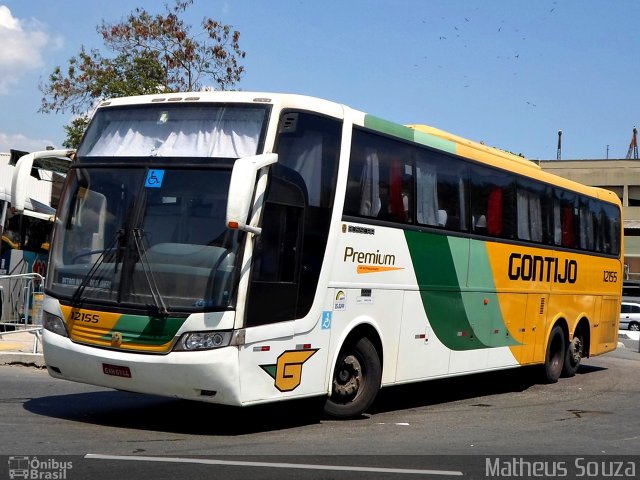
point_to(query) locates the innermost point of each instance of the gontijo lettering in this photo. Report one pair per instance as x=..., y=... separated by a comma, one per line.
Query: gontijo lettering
x=374, y=258
x=543, y=269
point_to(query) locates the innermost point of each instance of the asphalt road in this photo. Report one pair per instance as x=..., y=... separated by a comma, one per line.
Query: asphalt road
x=412, y=431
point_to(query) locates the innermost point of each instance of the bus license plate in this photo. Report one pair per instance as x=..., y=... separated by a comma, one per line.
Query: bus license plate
x=116, y=370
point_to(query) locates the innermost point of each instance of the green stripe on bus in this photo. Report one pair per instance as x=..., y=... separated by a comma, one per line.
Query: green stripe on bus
x=435, y=142
x=410, y=134
x=439, y=285
x=146, y=330
x=462, y=320
x=388, y=127
x=484, y=307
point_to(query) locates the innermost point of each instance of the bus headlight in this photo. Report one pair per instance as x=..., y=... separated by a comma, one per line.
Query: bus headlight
x=54, y=324
x=202, y=341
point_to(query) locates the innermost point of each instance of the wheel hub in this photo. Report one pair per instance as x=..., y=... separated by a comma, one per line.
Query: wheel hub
x=348, y=378
x=575, y=350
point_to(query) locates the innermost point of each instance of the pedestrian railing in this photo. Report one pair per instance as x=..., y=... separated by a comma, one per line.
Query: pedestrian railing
x=21, y=299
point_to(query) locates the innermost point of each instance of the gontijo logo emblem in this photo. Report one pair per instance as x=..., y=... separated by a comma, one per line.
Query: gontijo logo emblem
x=370, y=262
x=287, y=373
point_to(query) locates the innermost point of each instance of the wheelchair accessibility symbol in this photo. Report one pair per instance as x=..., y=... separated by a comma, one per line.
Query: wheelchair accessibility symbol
x=326, y=320
x=154, y=179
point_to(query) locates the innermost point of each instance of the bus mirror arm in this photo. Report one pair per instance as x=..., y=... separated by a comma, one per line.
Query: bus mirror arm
x=54, y=160
x=242, y=188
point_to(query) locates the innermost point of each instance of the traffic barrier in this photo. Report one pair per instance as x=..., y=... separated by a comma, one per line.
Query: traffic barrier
x=21, y=298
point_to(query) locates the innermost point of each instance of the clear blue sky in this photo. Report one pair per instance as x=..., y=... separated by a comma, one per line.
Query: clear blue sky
x=510, y=73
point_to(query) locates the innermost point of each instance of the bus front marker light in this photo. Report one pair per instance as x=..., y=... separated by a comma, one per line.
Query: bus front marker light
x=54, y=324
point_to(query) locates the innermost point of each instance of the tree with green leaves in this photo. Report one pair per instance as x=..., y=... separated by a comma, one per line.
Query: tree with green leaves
x=147, y=54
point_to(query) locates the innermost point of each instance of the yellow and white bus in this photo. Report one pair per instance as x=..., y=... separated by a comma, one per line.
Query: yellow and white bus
x=242, y=248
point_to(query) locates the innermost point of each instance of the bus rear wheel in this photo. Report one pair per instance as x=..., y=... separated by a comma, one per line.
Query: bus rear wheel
x=554, y=358
x=356, y=380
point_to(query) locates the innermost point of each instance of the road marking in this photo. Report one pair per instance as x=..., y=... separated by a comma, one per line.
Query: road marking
x=301, y=466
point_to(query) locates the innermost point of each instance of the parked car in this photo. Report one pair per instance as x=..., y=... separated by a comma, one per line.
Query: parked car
x=630, y=316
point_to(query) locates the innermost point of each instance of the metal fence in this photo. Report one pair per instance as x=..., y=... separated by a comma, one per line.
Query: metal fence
x=21, y=299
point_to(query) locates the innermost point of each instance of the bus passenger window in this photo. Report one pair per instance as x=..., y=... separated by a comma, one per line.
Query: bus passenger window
x=380, y=183
x=493, y=202
x=441, y=191
x=565, y=209
x=532, y=211
x=494, y=212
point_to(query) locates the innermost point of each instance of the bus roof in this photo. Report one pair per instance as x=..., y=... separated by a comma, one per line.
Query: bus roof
x=474, y=145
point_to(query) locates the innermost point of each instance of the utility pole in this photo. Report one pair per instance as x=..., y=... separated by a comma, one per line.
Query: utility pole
x=559, y=144
x=633, y=146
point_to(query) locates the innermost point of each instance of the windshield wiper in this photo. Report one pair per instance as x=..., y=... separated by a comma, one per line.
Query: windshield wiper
x=148, y=272
x=75, y=298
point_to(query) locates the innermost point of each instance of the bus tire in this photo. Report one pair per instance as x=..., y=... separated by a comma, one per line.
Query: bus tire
x=573, y=356
x=554, y=358
x=355, y=381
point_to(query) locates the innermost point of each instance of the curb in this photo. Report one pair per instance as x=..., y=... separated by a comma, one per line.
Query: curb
x=24, y=359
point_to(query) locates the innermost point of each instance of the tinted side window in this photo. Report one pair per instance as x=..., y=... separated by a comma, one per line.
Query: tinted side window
x=492, y=202
x=441, y=191
x=565, y=218
x=380, y=183
x=533, y=207
x=610, y=229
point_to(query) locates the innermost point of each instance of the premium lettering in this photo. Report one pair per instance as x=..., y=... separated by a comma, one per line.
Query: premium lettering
x=371, y=258
x=536, y=268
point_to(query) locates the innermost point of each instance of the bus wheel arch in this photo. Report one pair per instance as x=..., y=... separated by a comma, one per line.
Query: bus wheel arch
x=577, y=348
x=356, y=374
x=555, y=352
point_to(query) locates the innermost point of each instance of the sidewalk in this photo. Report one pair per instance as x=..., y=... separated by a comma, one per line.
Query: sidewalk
x=629, y=334
x=18, y=348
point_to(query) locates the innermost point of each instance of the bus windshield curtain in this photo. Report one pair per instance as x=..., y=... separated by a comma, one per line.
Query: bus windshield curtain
x=227, y=138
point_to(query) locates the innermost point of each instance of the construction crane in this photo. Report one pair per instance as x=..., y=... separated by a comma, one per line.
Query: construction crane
x=633, y=146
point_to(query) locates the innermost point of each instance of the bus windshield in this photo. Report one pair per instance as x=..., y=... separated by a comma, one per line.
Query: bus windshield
x=148, y=239
x=142, y=221
x=171, y=130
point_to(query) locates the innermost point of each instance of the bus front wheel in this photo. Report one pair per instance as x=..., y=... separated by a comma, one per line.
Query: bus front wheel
x=356, y=380
x=554, y=358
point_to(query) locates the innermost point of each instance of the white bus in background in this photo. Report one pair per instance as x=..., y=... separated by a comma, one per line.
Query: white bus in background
x=25, y=234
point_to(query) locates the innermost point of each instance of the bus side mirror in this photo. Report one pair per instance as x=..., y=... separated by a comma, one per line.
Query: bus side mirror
x=241, y=189
x=52, y=160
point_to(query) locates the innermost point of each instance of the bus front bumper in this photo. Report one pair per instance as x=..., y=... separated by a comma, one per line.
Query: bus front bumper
x=208, y=376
